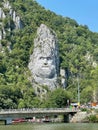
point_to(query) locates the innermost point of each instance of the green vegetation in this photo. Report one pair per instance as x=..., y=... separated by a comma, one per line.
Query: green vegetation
x=75, y=42
x=92, y=118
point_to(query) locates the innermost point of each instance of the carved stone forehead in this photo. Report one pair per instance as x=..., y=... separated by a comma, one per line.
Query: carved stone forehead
x=45, y=41
x=44, y=32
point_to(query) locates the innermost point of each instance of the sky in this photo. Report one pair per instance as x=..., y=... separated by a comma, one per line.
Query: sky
x=84, y=12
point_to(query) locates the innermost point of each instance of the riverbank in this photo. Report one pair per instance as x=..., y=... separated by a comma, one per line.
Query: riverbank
x=85, y=116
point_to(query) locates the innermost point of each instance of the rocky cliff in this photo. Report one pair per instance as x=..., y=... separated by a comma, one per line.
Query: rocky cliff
x=44, y=62
x=9, y=20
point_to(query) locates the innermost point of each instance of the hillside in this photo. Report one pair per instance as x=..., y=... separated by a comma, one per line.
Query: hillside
x=78, y=55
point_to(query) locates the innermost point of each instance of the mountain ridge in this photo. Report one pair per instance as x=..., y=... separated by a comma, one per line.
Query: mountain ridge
x=75, y=42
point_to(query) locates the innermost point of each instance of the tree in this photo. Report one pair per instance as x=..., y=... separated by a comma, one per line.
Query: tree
x=58, y=98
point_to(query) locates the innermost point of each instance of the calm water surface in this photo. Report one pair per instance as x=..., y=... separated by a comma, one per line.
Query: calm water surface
x=61, y=126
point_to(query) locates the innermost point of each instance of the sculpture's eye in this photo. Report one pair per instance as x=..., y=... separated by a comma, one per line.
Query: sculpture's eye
x=45, y=58
x=41, y=58
x=48, y=58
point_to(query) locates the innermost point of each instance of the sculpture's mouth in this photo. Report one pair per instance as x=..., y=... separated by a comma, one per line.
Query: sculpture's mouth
x=45, y=72
x=45, y=66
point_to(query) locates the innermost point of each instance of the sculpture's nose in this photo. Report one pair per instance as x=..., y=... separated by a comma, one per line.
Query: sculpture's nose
x=45, y=62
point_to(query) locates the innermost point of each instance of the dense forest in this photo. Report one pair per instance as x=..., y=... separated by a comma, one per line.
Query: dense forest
x=78, y=56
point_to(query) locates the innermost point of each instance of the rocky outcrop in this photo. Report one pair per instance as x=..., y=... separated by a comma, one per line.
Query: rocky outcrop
x=8, y=14
x=44, y=62
x=63, y=77
x=90, y=60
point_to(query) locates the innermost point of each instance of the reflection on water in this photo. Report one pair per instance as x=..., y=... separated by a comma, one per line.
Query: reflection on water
x=51, y=126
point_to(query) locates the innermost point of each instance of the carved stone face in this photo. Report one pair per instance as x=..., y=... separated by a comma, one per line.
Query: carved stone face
x=44, y=59
x=44, y=66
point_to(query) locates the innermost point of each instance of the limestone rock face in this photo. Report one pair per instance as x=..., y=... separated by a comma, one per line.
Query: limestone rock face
x=6, y=11
x=63, y=77
x=44, y=62
x=11, y=13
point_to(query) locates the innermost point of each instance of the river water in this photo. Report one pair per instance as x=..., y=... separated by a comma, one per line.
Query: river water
x=51, y=126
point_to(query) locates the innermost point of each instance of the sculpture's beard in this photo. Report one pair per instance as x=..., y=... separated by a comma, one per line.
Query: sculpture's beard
x=45, y=72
